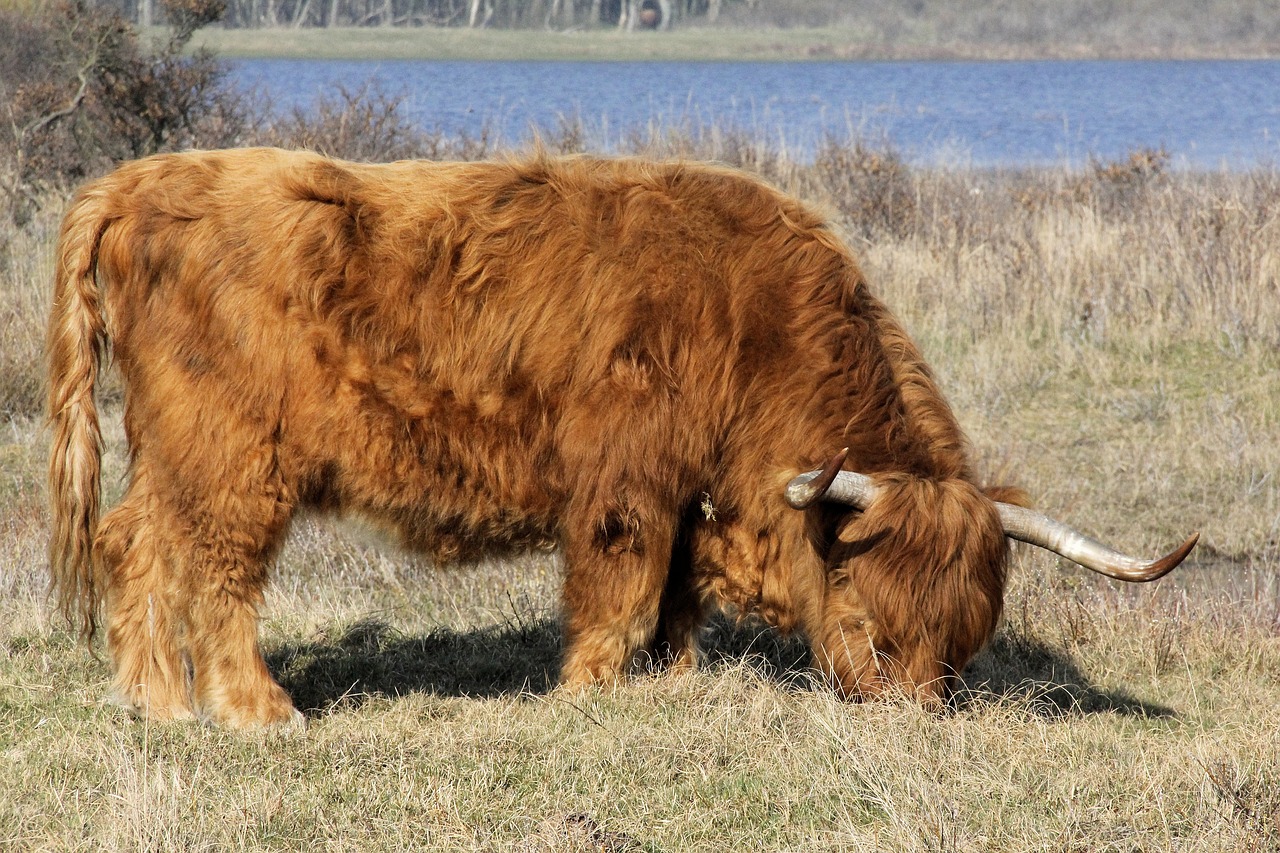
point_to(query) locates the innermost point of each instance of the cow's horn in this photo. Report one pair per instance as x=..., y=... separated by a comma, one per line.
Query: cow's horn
x=807, y=489
x=858, y=491
x=1038, y=529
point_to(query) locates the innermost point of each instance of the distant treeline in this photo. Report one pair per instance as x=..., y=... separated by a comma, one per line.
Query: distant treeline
x=991, y=28
x=557, y=14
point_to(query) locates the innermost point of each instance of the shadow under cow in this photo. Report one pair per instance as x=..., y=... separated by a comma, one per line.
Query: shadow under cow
x=352, y=663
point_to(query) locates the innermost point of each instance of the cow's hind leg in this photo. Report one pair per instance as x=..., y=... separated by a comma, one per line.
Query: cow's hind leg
x=144, y=616
x=615, y=571
x=230, y=544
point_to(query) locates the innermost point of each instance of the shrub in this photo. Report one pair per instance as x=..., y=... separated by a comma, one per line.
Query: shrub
x=871, y=187
x=1118, y=187
x=82, y=92
x=366, y=124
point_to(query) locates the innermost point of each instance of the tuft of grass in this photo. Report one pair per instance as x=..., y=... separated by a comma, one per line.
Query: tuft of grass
x=26, y=276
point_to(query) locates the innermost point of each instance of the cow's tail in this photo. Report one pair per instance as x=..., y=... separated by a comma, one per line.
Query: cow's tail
x=76, y=340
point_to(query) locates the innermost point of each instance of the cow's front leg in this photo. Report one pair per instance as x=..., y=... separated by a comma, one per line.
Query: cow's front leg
x=232, y=685
x=615, y=571
x=682, y=615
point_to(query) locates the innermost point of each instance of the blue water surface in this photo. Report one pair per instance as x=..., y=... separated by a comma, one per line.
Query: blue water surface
x=1205, y=114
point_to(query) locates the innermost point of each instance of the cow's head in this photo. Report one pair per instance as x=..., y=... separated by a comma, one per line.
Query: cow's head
x=915, y=575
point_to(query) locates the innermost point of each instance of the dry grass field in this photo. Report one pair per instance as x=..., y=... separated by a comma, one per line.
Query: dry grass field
x=1110, y=338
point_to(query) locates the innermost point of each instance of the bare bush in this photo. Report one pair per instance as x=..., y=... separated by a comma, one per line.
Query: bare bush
x=1117, y=186
x=361, y=124
x=81, y=92
x=367, y=124
x=871, y=186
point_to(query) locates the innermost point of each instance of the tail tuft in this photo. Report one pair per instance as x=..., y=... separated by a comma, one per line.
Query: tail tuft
x=75, y=344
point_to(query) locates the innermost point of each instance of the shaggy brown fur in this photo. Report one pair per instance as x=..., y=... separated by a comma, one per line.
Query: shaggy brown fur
x=482, y=356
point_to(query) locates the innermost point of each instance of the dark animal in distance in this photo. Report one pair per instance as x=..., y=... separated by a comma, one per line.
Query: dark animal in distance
x=636, y=360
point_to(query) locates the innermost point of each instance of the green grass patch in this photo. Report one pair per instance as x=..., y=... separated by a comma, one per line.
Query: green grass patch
x=943, y=33
x=429, y=43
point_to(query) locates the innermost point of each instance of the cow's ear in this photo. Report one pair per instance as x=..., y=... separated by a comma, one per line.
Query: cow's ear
x=855, y=537
x=839, y=576
x=1007, y=495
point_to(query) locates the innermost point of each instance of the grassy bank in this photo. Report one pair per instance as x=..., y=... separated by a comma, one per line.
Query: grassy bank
x=804, y=29
x=865, y=41
x=1110, y=338
x=457, y=43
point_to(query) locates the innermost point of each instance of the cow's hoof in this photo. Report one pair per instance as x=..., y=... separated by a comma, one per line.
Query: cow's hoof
x=178, y=711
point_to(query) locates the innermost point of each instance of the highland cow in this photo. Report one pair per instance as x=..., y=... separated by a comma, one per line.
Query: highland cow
x=635, y=360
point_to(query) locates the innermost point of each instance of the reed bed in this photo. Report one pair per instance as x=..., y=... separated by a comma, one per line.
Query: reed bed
x=1110, y=338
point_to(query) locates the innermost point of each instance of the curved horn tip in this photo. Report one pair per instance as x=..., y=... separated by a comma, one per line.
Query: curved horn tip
x=1172, y=560
x=802, y=494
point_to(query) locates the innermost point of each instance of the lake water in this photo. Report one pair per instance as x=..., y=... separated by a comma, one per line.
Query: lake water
x=1205, y=114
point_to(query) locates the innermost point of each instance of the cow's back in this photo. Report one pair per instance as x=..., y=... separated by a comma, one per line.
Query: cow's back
x=461, y=348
